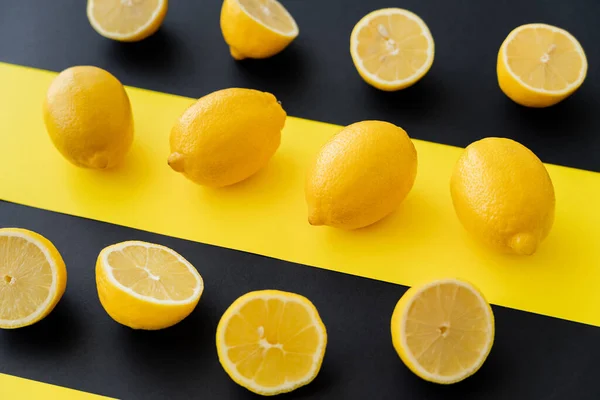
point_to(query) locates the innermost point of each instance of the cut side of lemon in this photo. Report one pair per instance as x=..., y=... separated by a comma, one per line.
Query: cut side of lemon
x=539, y=65
x=443, y=331
x=33, y=277
x=391, y=48
x=256, y=28
x=126, y=20
x=146, y=286
x=271, y=342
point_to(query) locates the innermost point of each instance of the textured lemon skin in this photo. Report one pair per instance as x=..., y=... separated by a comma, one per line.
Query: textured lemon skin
x=61, y=273
x=397, y=328
x=248, y=38
x=379, y=84
x=133, y=312
x=226, y=136
x=142, y=34
x=233, y=309
x=360, y=175
x=503, y=195
x=88, y=117
x=522, y=94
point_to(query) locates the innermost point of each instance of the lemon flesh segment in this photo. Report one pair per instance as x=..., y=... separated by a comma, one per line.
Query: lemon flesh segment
x=443, y=331
x=126, y=20
x=147, y=286
x=392, y=48
x=32, y=277
x=539, y=65
x=271, y=14
x=271, y=342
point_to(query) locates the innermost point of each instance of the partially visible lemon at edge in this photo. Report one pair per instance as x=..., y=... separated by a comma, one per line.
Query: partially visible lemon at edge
x=88, y=117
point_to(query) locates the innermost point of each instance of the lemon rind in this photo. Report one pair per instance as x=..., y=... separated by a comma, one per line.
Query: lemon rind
x=424, y=31
x=421, y=372
x=292, y=34
x=579, y=48
x=120, y=246
x=123, y=36
x=51, y=292
x=288, y=386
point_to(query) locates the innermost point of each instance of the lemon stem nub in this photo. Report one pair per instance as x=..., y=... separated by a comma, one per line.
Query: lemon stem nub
x=176, y=161
x=524, y=244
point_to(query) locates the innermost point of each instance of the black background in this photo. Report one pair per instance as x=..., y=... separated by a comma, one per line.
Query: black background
x=456, y=103
x=79, y=346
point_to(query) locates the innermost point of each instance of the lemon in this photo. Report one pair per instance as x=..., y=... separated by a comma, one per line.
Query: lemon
x=226, y=136
x=33, y=277
x=443, y=331
x=391, y=48
x=539, y=65
x=146, y=286
x=503, y=195
x=126, y=20
x=256, y=28
x=360, y=175
x=88, y=117
x=271, y=342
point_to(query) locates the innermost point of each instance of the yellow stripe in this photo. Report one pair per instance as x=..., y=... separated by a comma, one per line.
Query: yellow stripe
x=13, y=388
x=267, y=214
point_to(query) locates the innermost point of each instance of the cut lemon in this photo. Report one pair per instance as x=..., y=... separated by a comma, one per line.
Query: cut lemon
x=126, y=20
x=146, y=286
x=33, y=277
x=271, y=342
x=539, y=65
x=391, y=48
x=256, y=28
x=443, y=331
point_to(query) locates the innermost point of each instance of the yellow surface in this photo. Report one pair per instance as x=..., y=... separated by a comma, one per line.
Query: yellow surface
x=13, y=388
x=271, y=342
x=267, y=214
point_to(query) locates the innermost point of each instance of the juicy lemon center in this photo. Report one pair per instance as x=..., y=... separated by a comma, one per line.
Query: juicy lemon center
x=544, y=59
x=152, y=272
x=272, y=341
x=112, y=13
x=392, y=47
x=26, y=278
x=270, y=13
x=446, y=329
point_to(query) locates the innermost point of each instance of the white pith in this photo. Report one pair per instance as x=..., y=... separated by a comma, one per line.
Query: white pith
x=53, y=287
x=105, y=265
x=567, y=89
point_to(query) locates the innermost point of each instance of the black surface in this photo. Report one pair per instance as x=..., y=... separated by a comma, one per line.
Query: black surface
x=456, y=103
x=79, y=346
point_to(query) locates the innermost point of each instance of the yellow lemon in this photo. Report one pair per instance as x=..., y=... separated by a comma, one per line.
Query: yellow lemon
x=88, y=117
x=443, y=331
x=126, y=20
x=503, y=195
x=271, y=342
x=226, y=136
x=391, y=48
x=540, y=65
x=256, y=28
x=33, y=277
x=361, y=175
x=146, y=286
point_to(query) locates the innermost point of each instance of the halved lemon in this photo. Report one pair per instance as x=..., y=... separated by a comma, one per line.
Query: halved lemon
x=443, y=331
x=539, y=65
x=126, y=20
x=256, y=28
x=33, y=277
x=146, y=286
x=271, y=342
x=391, y=48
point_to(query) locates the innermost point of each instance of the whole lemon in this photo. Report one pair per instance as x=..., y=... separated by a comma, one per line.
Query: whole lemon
x=503, y=195
x=88, y=117
x=360, y=175
x=226, y=136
